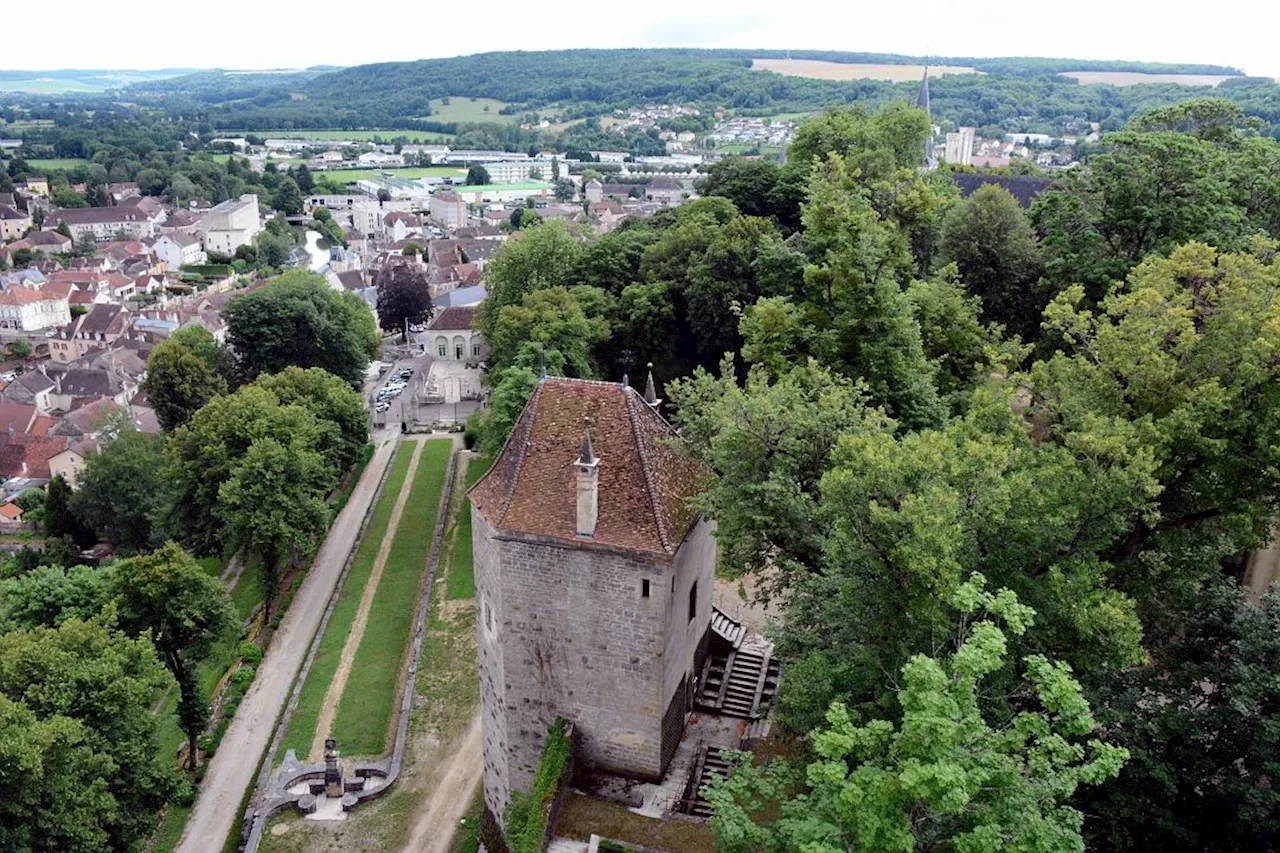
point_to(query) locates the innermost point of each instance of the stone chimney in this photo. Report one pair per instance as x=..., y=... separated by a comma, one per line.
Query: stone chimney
x=588, y=477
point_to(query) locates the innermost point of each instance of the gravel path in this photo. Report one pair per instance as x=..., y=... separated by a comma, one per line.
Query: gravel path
x=235, y=764
x=333, y=695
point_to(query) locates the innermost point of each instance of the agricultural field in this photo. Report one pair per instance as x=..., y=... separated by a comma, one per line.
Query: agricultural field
x=855, y=71
x=1137, y=78
x=462, y=109
x=57, y=164
x=409, y=173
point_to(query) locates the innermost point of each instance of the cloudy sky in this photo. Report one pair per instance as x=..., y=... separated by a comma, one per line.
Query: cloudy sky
x=276, y=34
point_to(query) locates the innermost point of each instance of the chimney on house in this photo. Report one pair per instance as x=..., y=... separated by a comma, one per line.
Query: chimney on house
x=588, y=477
x=650, y=394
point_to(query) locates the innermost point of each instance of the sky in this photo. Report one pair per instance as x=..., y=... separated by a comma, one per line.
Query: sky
x=278, y=34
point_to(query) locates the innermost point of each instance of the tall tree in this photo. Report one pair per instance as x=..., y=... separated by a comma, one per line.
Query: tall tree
x=989, y=239
x=186, y=611
x=544, y=256
x=105, y=794
x=184, y=372
x=951, y=775
x=477, y=176
x=273, y=504
x=1203, y=727
x=299, y=320
x=120, y=490
x=404, y=296
x=332, y=401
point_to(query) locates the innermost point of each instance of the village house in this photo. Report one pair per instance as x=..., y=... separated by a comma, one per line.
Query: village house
x=448, y=209
x=234, y=223
x=665, y=189
x=13, y=223
x=104, y=223
x=105, y=323
x=398, y=226
x=24, y=309
x=593, y=585
x=33, y=388
x=179, y=249
x=49, y=243
x=452, y=337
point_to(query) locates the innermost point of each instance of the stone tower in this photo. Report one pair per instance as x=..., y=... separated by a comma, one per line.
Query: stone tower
x=593, y=585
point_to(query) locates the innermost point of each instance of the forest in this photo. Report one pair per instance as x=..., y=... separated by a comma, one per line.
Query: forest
x=999, y=469
x=1014, y=94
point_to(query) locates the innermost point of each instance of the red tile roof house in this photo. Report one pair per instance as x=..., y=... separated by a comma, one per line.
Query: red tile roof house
x=593, y=583
x=11, y=518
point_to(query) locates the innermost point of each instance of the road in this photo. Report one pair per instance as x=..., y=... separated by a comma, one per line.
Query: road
x=235, y=765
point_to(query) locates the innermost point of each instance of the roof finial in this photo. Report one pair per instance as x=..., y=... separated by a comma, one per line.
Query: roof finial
x=650, y=394
x=626, y=380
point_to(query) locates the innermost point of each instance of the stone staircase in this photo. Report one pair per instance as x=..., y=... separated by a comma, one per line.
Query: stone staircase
x=739, y=681
x=710, y=764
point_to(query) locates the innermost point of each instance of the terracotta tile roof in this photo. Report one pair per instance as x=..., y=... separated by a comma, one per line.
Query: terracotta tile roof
x=18, y=295
x=453, y=319
x=29, y=455
x=644, y=482
x=11, y=511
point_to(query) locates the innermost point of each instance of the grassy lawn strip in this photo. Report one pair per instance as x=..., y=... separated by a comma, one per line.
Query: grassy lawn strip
x=302, y=727
x=370, y=695
x=461, y=578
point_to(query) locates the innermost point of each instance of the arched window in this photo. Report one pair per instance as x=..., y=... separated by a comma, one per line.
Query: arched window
x=459, y=347
x=442, y=347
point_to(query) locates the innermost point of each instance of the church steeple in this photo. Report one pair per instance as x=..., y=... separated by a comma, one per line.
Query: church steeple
x=922, y=101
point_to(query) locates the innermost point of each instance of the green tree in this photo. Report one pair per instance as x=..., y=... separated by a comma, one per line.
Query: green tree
x=206, y=453
x=273, y=504
x=851, y=312
x=333, y=403
x=64, y=229
x=989, y=239
x=965, y=350
x=288, y=197
x=477, y=176
x=749, y=184
x=104, y=795
x=184, y=372
x=949, y=775
x=50, y=595
x=404, y=297
x=565, y=189
x=545, y=256
x=1147, y=192
x=59, y=519
x=54, y=783
x=185, y=611
x=1203, y=728
x=299, y=320
x=120, y=491
x=20, y=349
x=554, y=318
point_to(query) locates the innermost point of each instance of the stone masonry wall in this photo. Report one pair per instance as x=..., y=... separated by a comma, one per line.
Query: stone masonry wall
x=488, y=578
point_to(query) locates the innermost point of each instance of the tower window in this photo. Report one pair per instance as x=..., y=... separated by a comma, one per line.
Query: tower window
x=693, y=601
x=644, y=588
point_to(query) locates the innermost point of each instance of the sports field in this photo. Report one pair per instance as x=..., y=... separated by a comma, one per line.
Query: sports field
x=1136, y=78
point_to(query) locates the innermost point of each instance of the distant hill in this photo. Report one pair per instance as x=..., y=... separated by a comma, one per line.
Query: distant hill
x=70, y=81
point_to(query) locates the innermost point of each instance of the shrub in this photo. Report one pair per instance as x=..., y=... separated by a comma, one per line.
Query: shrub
x=527, y=814
x=250, y=653
x=242, y=678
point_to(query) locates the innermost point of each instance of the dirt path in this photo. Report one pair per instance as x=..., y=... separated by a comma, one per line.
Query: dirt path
x=456, y=784
x=333, y=695
x=235, y=568
x=235, y=764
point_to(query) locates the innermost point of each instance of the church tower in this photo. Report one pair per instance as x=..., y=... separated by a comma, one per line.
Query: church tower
x=593, y=585
x=922, y=101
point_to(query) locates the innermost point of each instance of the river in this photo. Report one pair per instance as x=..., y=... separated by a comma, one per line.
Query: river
x=319, y=257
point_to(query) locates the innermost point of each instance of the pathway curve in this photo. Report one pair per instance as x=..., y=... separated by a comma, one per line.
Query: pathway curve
x=329, y=708
x=452, y=796
x=235, y=765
